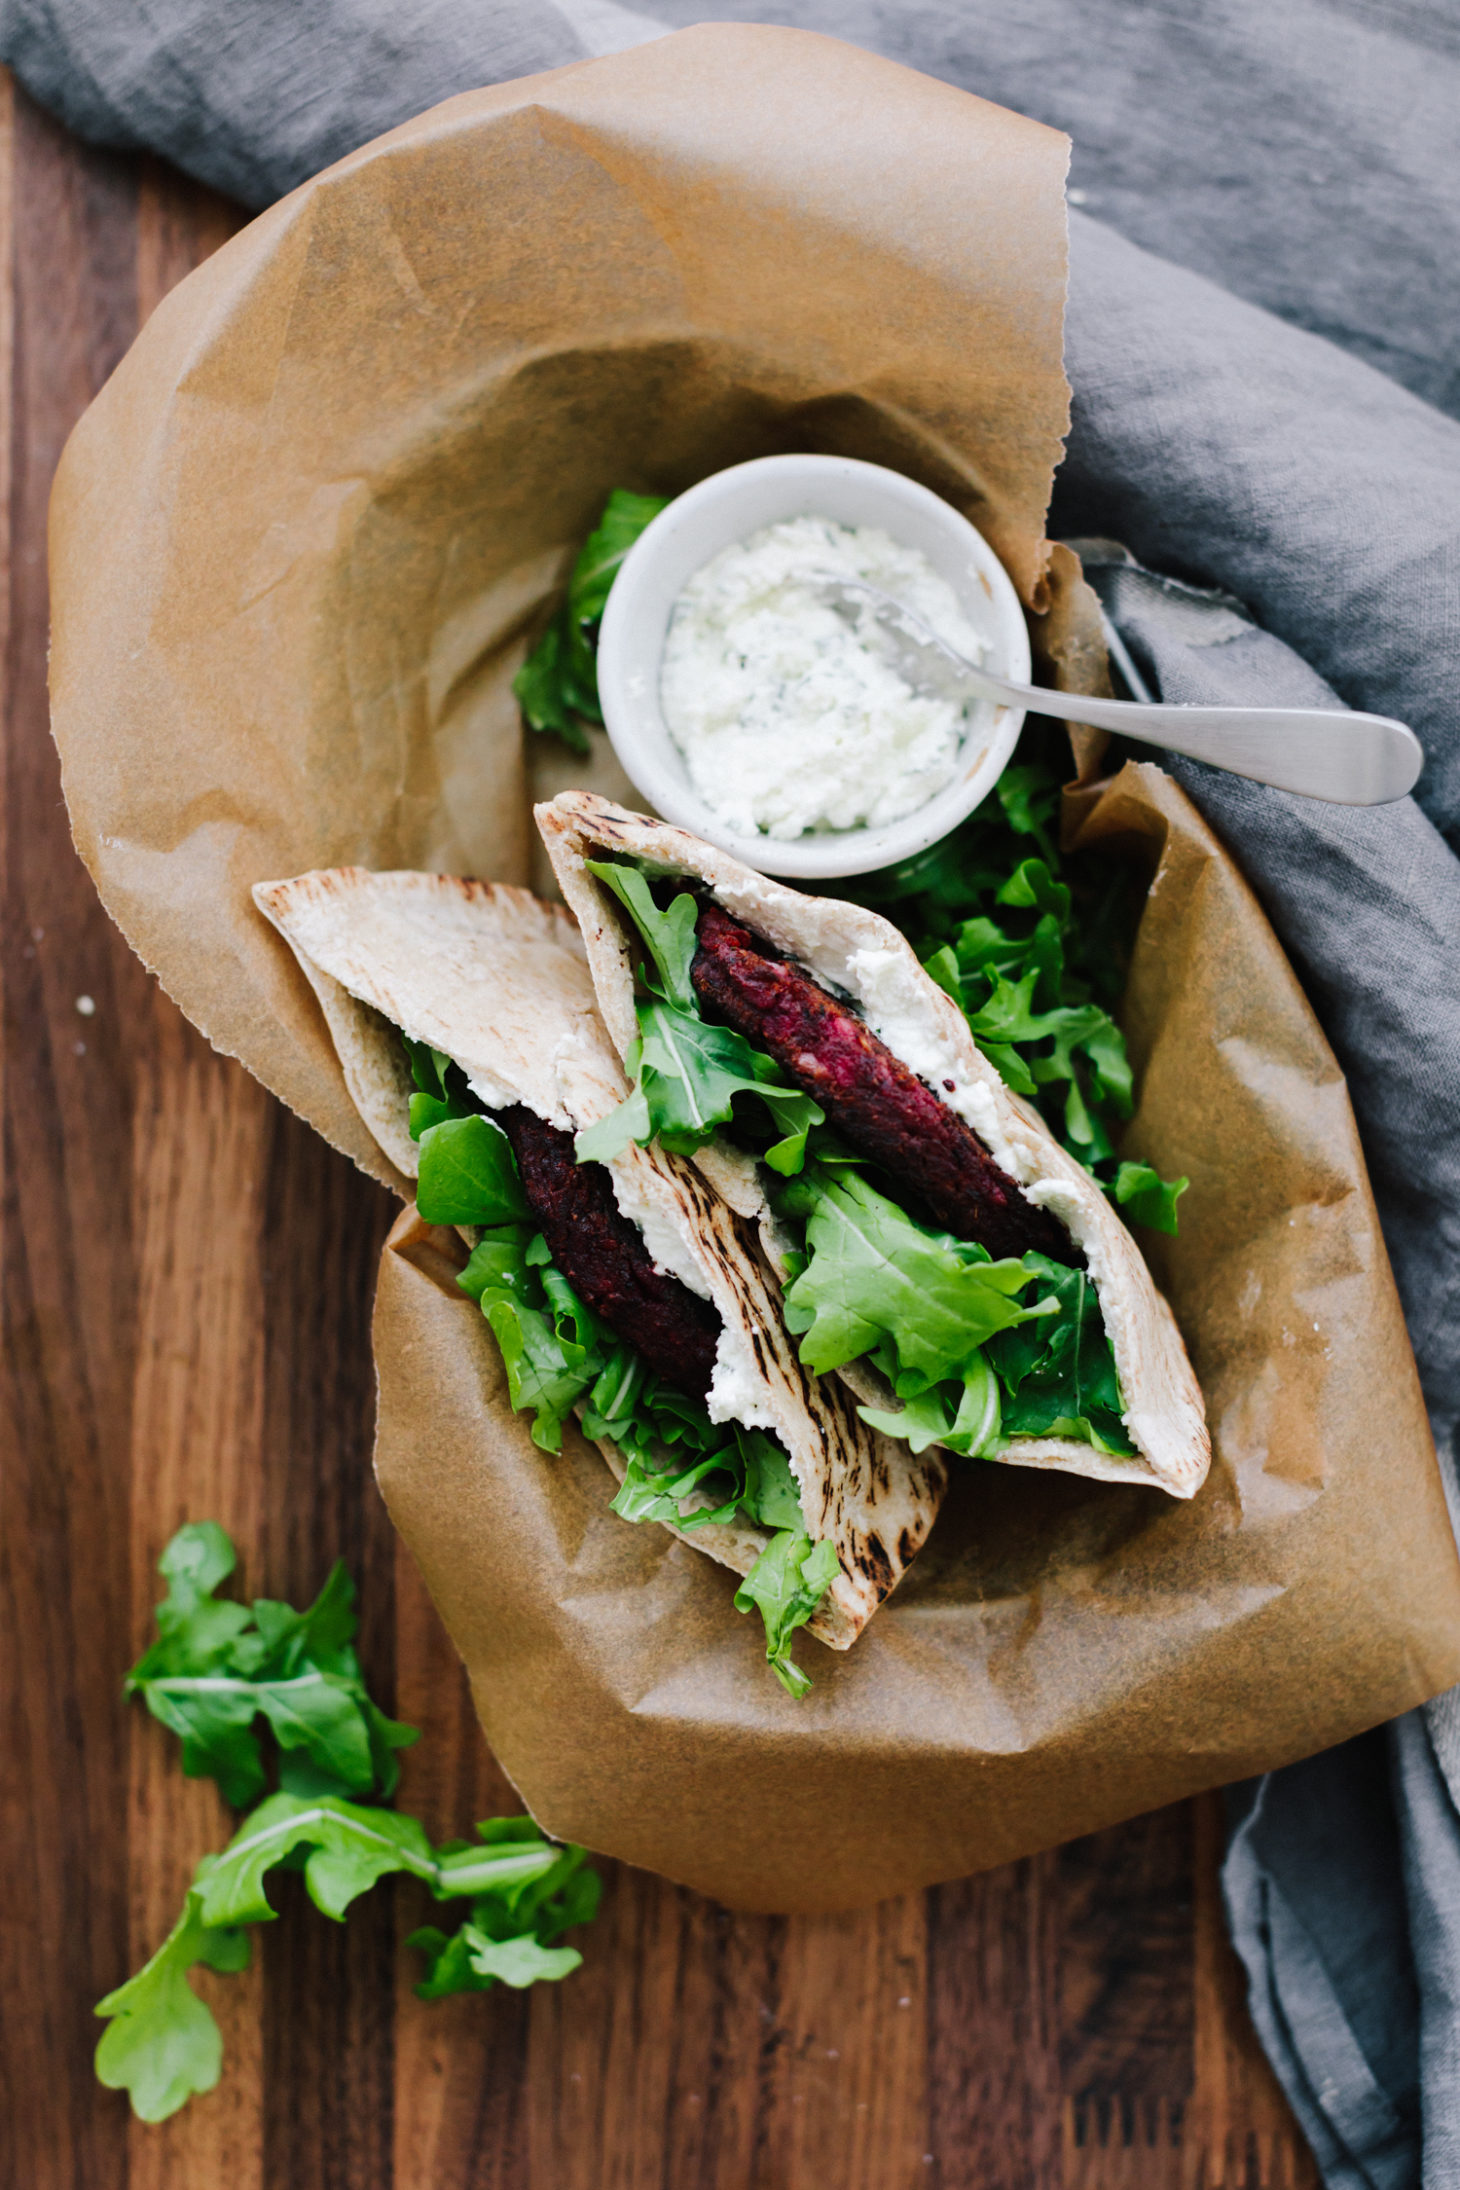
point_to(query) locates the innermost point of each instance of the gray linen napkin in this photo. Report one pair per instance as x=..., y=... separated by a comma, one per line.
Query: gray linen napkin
x=1342, y=1876
x=1305, y=158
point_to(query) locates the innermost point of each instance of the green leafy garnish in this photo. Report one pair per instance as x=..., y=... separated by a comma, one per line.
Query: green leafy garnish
x=786, y=1584
x=1147, y=1197
x=921, y=1304
x=625, y=516
x=973, y=1362
x=162, y=2043
x=469, y=1175
x=557, y=686
x=344, y=1848
x=669, y=936
x=966, y=1416
x=441, y=1091
x=215, y=1668
x=686, y=1076
x=874, y=1274
x=743, y=1475
x=507, y=1939
x=1059, y=1376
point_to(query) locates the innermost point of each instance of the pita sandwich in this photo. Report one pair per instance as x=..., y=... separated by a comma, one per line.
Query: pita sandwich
x=838, y=999
x=464, y=1017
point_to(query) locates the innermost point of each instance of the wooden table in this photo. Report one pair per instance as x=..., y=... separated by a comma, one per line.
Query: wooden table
x=187, y=1274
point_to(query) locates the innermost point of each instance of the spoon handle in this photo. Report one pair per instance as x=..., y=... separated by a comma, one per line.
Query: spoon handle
x=1346, y=758
x=1328, y=753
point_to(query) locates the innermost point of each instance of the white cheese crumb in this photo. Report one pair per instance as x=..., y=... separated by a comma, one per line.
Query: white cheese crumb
x=789, y=717
x=494, y=1093
x=737, y=1390
x=896, y=1007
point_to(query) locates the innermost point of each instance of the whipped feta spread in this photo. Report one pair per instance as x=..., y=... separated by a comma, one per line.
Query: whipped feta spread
x=737, y=1389
x=790, y=717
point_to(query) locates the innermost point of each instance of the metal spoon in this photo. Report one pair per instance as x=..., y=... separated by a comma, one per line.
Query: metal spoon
x=1348, y=759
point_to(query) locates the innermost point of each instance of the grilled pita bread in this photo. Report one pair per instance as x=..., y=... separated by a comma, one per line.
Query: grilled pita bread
x=859, y=955
x=499, y=982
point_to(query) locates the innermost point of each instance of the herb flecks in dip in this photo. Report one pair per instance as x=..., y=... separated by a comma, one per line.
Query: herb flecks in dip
x=791, y=718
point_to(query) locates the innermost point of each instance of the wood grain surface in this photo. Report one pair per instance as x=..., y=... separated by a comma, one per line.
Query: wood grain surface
x=187, y=1276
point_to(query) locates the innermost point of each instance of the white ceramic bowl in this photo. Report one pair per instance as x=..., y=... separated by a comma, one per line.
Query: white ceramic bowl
x=729, y=506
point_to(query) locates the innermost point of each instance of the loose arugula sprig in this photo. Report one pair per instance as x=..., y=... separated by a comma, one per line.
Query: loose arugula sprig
x=217, y=1668
x=522, y=1891
x=560, y=1358
x=557, y=686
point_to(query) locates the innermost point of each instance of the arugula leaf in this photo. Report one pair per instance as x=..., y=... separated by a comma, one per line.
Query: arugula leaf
x=518, y=1962
x=196, y=1632
x=546, y=1370
x=563, y=1897
x=772, y=1495
x=786, y=1584
x=1060, y=1378
x=746, y=1474
x=1032, y=883
x=349, y=1846
x=557, y=686
x=217, y=1668
x=319, y=1633
x=1147, y=1197
x=315, y=1711
x=429, y=1068
x=469, y=1175
x=550, y=691
x=1030, y=802
x=965, y=1417
x=669, y=937
x=162, y=2042
x=946, y=1327
x=873, y=1274
x=625, y=516
x=687, y=1075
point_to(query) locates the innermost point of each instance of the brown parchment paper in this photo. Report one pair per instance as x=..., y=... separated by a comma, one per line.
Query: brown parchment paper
x=299, y=544
x=1062, y=1653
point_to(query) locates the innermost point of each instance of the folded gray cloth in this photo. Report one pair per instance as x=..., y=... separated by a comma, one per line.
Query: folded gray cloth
x=1304, y=157
x=1342, y=1877
x=1338, y=2012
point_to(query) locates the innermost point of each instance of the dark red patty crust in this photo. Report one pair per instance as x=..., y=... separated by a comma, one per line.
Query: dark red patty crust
x=604, y=1258
x=880, y=1108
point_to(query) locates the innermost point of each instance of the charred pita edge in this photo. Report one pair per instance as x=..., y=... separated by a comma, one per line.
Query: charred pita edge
x=856, y=953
